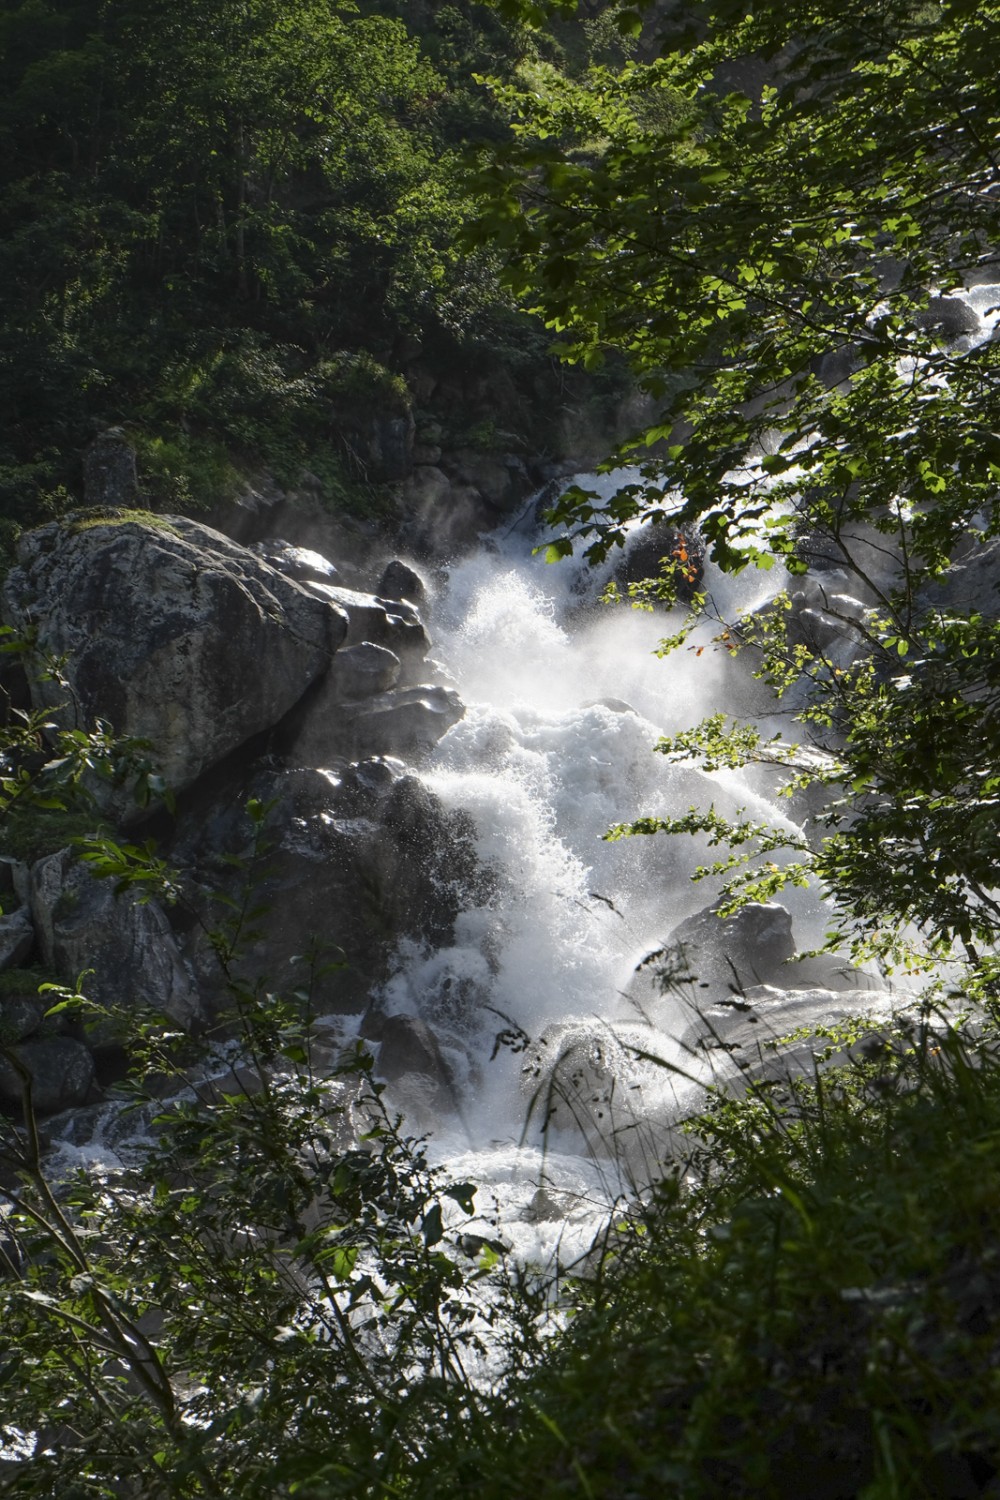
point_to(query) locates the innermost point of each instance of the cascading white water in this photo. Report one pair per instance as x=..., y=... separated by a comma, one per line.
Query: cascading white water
x=565, y=702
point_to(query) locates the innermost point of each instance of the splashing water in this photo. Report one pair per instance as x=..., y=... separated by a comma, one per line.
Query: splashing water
x=565, y=702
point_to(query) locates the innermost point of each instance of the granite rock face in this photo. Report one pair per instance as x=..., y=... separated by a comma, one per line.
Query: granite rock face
x=247, y=671
x=356, y=861
x=128, y=944
x=169, y=631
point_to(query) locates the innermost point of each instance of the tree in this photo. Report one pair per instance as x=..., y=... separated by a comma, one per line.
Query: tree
x=206, y=212
x=262, y=1299
x=774, y=260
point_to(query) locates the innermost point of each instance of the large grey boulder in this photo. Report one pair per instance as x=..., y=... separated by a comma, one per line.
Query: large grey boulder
x=708, y=959
x=720, y=954
x=168, y=630
x=127, y=944
x=356, y=863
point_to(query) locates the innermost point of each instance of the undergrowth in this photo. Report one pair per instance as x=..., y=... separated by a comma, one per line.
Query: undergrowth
x=808, y=1305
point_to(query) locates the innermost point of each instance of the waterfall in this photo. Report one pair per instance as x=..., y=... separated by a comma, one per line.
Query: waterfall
x=565, y=701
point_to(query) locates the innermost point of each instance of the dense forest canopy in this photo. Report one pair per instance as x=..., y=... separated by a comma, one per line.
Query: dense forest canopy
x=229, y=228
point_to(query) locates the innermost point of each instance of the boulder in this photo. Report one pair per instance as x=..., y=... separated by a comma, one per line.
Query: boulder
x=611, y=1085
x=128, y=944
x=400, y=581
x=408, y=1045
x=392, y=623
x=357, y=862
x=21, y=1014
x=427, y=488
x=736, y=1038
x=298, y=563
x=950, y=317
x=17, y=938
x=652, y=546
x=401, y=722
x=443, y=518
x=729, y=953
x=168, y=630
x=362, y=671
x=62, y=1075
x=15, y=880
x=827, y=620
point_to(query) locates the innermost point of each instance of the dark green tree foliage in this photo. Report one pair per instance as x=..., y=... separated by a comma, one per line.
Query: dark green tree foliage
x=772, y=249
x=731, y=248
x=202, y=206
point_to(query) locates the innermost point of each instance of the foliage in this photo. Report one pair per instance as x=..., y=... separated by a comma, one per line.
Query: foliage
x=200, y=207
x=774, y=263
x=809, y=1305
x=262, y=1299
x=740, y=243
x=265, y=1302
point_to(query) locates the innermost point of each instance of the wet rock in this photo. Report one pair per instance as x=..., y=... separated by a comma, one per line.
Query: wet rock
x=298, y=563
x=408, y=1045
x=406, y=722
x=362, y=671
x=400, y=581
x=392, y=623
x=170, y=631
x=129, y=945
x=722, y=953
x=737, y=1038
x=498, y=478
x=17, y=938
x=826, y=621
x=655, y=545
x=62, y=1074
x=443, y=517
x=599, y=1082
x=951, y=317
x=357, y=862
